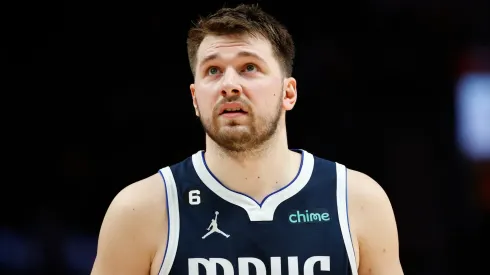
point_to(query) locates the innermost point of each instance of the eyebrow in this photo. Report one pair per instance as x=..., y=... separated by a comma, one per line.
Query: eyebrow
x=240, y=54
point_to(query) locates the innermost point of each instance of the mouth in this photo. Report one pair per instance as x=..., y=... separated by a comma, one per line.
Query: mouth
x=231, y=111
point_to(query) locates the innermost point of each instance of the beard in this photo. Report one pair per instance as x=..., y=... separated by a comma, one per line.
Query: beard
x=237, y=137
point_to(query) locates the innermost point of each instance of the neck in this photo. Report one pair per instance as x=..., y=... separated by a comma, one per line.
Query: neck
x=255, y=173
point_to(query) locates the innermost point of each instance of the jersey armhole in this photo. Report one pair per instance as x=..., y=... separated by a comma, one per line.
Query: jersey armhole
x=343, y=213
x=173, y=219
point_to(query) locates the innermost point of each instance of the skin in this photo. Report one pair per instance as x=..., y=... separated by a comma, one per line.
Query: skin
x=244, y=69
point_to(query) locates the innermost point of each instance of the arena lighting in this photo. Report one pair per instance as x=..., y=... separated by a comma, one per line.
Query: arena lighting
x=473, y=115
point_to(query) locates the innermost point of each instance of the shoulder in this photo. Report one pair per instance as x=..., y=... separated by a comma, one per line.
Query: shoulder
x=366, y=201
x=142, y=205
x=373, y=225
x=140, y=196
x=363, y=190
x=135, y=218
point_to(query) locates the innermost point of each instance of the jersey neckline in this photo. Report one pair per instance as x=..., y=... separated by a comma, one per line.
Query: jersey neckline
x=256, y=211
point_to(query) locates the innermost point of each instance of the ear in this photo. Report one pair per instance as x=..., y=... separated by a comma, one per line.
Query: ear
x=289, y=94
x=194, y=100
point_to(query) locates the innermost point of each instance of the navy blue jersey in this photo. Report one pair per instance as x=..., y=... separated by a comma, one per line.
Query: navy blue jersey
x=300, y=229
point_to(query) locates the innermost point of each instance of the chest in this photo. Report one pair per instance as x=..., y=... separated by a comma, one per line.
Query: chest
x=299, y=236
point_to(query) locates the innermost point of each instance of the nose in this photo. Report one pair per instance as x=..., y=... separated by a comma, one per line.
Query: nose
x=230, y=84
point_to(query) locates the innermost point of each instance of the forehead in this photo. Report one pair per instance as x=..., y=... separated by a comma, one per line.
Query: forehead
x=230, y=46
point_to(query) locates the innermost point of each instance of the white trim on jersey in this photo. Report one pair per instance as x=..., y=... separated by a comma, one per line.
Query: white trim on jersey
x=343, y=214
x=173, y=221
x=256, y=212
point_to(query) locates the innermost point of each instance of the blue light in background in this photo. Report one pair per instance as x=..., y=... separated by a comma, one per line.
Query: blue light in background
x=473, y=115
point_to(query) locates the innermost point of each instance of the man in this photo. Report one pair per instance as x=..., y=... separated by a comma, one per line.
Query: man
x=280, y=211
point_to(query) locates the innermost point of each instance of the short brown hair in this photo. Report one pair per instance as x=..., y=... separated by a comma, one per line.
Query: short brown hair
x=243, y=19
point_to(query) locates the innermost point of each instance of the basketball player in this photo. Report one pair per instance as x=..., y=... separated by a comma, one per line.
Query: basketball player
x=248, y=204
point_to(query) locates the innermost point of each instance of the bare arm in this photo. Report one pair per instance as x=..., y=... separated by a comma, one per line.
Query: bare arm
x=374, y=226
x=131, y=231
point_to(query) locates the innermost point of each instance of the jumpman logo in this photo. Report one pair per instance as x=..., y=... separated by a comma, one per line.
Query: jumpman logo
x=213, y=227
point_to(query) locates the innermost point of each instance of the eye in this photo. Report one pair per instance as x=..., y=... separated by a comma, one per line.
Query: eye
x=250, y=68
x=213, y=71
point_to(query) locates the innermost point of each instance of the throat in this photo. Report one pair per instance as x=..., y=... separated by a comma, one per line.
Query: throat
x=257, y=175
x=259, y=181
x=257, y=187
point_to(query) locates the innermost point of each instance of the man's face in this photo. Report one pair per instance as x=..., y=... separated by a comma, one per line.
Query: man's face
x=239, y=91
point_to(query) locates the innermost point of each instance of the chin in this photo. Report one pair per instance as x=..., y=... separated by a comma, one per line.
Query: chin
x=235, y=132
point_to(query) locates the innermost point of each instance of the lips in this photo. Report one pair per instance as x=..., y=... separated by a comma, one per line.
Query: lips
x=231, y=108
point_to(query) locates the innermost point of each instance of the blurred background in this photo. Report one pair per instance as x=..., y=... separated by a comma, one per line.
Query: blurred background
x=399, y=90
